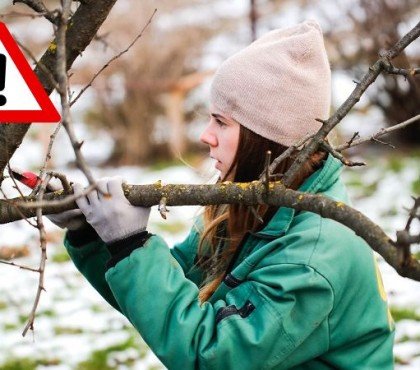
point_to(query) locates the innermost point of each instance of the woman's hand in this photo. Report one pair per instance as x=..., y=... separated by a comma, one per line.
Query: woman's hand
x=109, y=211
x=72, y=220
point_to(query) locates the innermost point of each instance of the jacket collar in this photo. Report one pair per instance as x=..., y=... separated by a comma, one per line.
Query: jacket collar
x=319, y=182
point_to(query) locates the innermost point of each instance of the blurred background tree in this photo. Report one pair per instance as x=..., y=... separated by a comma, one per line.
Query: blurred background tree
x=140, y=100
x=354, y=32
x=373, y=25
x=149, y=100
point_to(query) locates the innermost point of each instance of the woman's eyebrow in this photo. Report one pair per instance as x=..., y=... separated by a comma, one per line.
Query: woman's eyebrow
x=218, y=116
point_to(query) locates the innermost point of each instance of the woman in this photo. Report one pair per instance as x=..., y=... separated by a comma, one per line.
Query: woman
x=295, y=291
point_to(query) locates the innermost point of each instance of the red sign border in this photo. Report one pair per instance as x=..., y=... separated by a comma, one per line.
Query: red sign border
x=48, y=113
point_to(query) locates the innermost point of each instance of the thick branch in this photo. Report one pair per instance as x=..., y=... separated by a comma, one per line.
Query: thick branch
x=82, y=28
x=245, y=193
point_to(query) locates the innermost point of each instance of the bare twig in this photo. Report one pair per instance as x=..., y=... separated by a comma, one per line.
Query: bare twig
x=402, y=72
x=374, y=71
x=63, y=202
x=19, y=266
x=48, y=153
x=63, y=88
x=354, y=137
x=39, y=7
x=413, y=213
x=113, y=59
x=40, y=65
x=21, y=14
x=162, y=208
x=64, y=182
x=380, y=133
x=287, y=153
x=339, y=156
x=41, y=269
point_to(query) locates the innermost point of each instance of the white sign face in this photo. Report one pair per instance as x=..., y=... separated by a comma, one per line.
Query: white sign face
x=16, y=91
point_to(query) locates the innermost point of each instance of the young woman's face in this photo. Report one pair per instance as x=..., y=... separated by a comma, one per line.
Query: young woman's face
x=222, y=136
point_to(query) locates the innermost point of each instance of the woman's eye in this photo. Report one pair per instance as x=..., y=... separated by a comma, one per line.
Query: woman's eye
x=220, y=123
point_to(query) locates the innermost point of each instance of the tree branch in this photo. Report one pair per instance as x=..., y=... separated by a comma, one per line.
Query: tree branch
x=39, y=7
x=246, y=193
x=374, y=71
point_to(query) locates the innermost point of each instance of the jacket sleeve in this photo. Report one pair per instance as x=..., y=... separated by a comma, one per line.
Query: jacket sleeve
x=90, y=255
x=185, y=253
x=262, y=323
x=90, y=259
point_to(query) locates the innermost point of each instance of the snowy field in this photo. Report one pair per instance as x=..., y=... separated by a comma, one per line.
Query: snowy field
x=75, y=329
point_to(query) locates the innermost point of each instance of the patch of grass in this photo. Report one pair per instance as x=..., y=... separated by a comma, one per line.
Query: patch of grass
x=58, y=330
x=3, y=305
x=354, y=182
x=154, y=367
x=99, y=359
x=47, y=313
x=60, y=257
x=415, y=186
x=404, y=314
x=19, y=364
x=392, y=211
x=25, y=363
x=97, y=308
x=407, y=338
x=400, y=361
x=9, y=326
x=370, y=189
x=395, y=164
x=171, y=227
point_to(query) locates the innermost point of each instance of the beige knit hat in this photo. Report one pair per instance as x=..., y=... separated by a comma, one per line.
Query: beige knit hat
x=278, y=85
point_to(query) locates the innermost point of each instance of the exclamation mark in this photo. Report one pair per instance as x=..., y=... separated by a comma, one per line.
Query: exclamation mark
x=3, y=99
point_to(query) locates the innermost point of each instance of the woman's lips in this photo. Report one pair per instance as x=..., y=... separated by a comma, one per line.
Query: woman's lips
x=217, y=164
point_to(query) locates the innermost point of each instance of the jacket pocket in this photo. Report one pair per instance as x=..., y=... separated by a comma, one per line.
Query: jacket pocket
x=244, y=311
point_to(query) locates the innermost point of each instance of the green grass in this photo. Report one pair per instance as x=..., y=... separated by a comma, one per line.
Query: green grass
x=396, y=163
x=98, y=359
x=404, y=314
x=60, y=257
x=415, y=186
x=407, y=338
x=170, y=227
x=9, y=326
x=19, y=364
x=59, y=330
x=26, y=363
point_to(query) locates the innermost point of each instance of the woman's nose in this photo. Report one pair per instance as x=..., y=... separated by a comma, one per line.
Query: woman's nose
x=207, y=137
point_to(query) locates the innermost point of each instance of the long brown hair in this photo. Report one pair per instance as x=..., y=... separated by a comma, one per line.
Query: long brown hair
x=225, y=225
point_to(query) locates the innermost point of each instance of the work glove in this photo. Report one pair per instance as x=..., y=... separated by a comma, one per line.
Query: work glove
x=109, y=212
x=72, y=220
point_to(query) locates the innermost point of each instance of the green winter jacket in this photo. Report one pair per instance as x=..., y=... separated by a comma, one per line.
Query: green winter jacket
x=304, y=293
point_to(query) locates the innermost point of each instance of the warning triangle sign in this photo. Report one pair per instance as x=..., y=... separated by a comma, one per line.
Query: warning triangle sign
x=22, y=97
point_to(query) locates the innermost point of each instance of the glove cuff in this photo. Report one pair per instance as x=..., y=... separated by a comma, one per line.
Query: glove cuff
x=82, y=236
x=123, y=248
